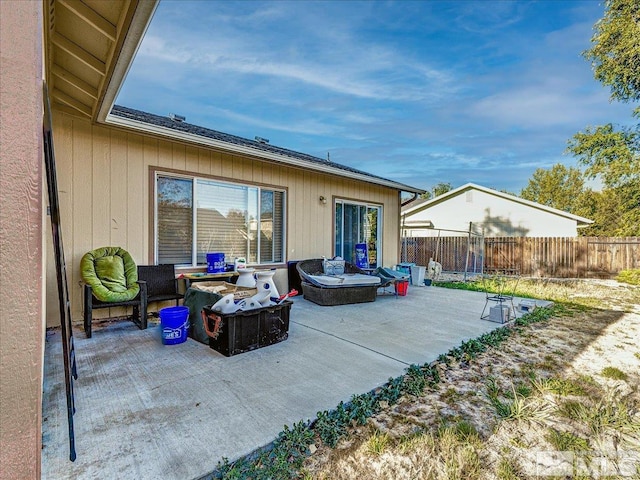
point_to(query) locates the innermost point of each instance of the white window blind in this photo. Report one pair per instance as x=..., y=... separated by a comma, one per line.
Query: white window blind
x=237, y=220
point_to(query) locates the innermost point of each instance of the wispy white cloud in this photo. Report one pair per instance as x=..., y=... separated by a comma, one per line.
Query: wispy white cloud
x=422, y=92
x=371, y=74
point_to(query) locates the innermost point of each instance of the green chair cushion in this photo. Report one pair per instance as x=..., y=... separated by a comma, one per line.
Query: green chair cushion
x=111, y=273
x=110, y=270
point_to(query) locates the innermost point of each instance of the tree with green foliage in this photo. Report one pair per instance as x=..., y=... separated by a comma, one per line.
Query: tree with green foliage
x=609, y=153
x=560, y=187
x=615, y=54
x=439, y=189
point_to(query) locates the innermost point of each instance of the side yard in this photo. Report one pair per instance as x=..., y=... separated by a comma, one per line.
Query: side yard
x=554, y=395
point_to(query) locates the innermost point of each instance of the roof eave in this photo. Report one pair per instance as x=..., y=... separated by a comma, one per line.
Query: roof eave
x=138, y=23
x=116, y=120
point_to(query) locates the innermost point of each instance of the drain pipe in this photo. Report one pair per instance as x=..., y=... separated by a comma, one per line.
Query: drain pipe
x=406, y=202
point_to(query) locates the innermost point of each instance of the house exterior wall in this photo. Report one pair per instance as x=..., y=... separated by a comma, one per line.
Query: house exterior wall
x=491, y=215
x=21, y=235
x=104, y=183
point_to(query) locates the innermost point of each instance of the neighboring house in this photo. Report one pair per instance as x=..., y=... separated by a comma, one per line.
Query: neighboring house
x=488, y=212
x=124, y=176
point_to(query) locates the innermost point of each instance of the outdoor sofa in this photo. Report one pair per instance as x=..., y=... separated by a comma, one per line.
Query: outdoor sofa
x=352, y=286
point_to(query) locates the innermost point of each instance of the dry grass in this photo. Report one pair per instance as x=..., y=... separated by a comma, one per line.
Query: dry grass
x=542, y=397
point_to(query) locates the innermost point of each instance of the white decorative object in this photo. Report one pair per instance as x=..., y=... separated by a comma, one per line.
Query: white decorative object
x=226, y=305
x=264, y=282
x=246, y=278
x=434, y=268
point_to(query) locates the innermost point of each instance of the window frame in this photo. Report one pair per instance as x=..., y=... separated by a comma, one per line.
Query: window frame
x=380, y=227
x=155, y=173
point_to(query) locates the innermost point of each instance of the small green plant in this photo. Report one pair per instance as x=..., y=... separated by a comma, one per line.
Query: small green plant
x=377, y=443
x=508, y=469
x=611, y=413
x=613, y=373
x=465, y=430
x=521, y=407
x=449, y=396
x=294, y=442
x=564, y=441
x=414, y=381
x=407, y=443
x=392, y=391
x=459, y=456
x=362, y=407
x=558, y=386
x=332, y=426
x=521, y=389
x=493, y=390
x=574, y=410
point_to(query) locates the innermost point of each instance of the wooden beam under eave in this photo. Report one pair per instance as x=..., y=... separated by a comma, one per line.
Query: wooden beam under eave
x=72, y=102
x=91, y=17
x=79, y=53
x=74, y=81
x=61, y=107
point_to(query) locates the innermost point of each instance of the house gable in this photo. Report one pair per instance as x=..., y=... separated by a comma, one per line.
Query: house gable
x=492, y=213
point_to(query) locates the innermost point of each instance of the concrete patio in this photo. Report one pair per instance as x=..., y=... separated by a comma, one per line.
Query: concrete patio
x=150, y=411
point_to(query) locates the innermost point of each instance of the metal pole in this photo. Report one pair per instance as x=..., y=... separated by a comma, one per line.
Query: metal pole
x=466, y=263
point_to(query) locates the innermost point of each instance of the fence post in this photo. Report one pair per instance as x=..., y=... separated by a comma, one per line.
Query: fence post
x=466, y=262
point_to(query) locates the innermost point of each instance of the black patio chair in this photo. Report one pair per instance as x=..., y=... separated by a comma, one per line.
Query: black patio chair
x=162, y=284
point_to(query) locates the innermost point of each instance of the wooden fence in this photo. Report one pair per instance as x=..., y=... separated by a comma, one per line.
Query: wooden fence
x=600, y=257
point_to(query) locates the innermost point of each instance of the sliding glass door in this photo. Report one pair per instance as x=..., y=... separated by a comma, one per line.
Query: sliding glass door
x=357, y=224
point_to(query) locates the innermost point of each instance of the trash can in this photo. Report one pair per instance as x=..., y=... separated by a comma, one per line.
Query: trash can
x=401, y=287
x=417, y=275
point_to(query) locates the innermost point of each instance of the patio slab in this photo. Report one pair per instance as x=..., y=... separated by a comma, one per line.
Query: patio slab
x=145, y=410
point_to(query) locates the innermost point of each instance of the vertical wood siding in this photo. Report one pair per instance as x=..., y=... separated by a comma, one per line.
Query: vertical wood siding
x=103, y=176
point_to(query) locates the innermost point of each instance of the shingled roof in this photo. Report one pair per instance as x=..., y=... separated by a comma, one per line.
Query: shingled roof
x=259, y=146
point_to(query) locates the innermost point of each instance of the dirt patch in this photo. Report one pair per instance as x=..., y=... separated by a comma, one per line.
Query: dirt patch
x=545, y=395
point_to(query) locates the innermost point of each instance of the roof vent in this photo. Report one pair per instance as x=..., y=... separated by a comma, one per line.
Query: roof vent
x=262, y=140
x=177, y=118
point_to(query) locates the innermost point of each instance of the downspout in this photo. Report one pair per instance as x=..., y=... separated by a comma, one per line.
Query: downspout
x=406, y=202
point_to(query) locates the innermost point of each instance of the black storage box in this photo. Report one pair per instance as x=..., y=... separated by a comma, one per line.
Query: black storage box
x=233, y=333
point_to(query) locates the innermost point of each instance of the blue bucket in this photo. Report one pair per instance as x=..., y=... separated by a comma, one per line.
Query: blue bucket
x=215, y=262
x=174, y=322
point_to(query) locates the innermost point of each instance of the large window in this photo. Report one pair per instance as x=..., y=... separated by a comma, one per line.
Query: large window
x=195, y=216
x=358, y=223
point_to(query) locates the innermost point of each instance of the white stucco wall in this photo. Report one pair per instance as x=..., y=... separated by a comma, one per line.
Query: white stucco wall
x=21, y=237
x=494, y=216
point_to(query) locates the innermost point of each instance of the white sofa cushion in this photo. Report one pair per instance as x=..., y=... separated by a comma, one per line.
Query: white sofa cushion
x=346, y=280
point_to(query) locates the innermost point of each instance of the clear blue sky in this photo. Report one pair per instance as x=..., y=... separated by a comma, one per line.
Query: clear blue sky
x=420, y=92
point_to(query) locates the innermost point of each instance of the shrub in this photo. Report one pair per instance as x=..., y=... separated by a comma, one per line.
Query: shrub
x=632, y=277
x=613, y=373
